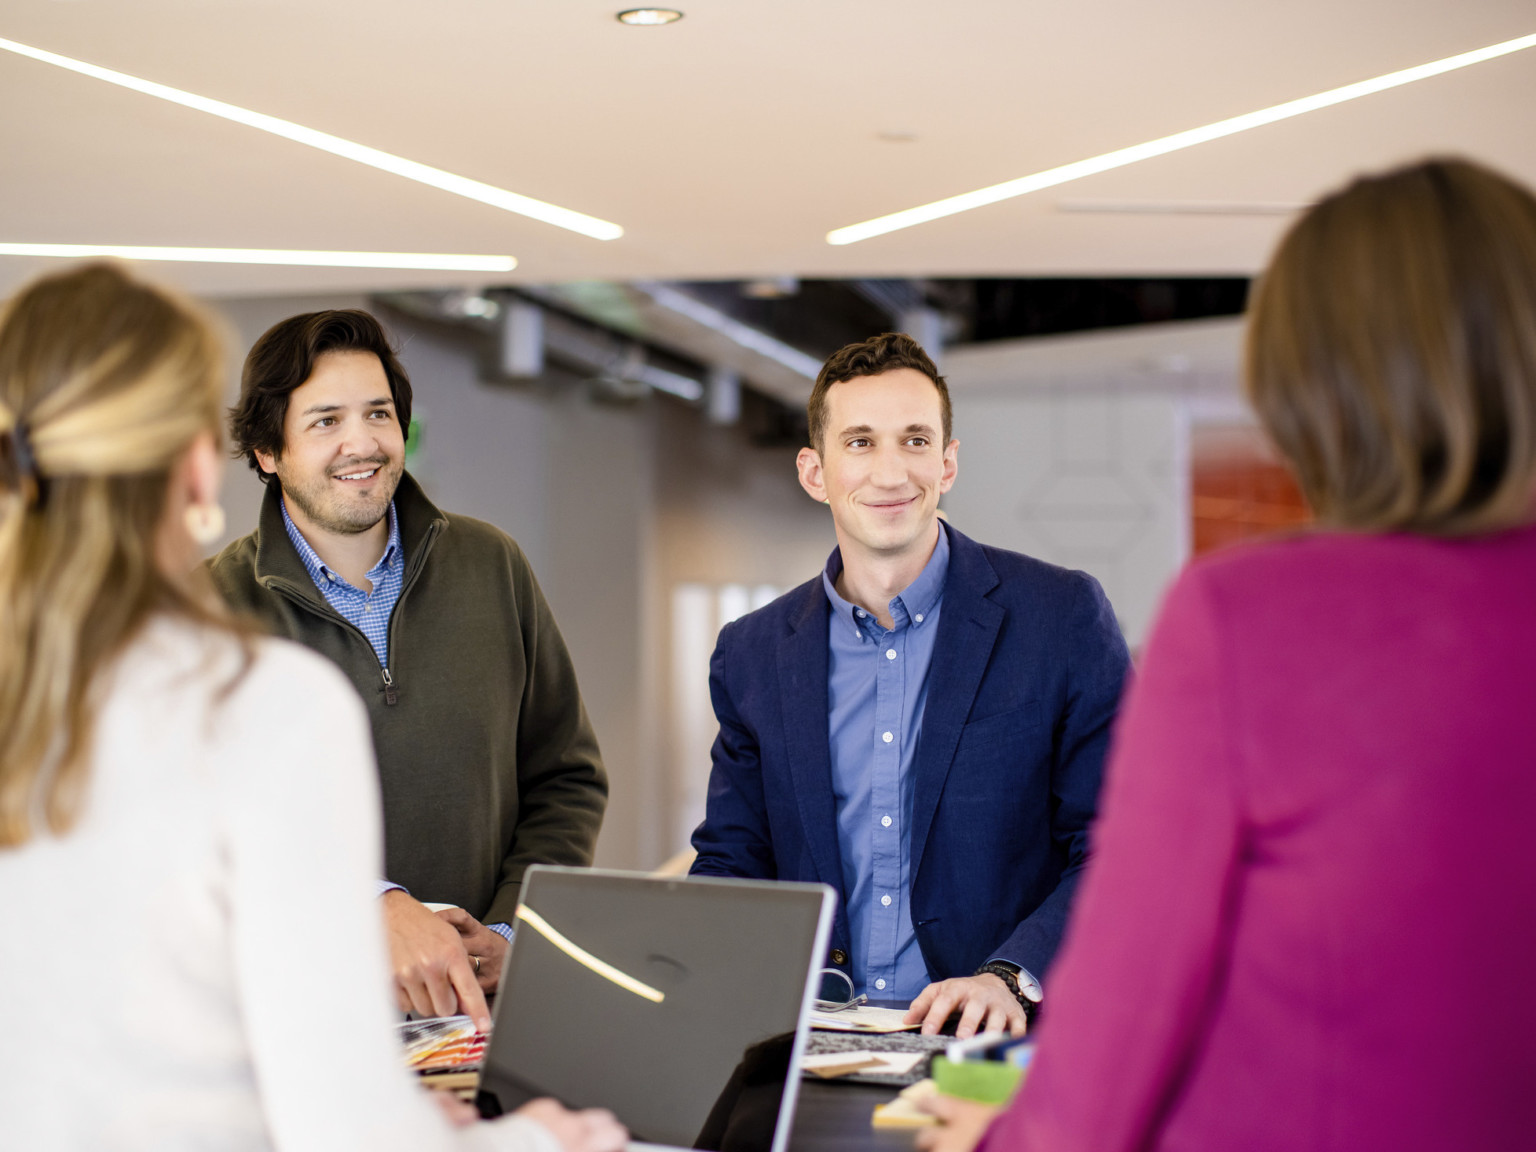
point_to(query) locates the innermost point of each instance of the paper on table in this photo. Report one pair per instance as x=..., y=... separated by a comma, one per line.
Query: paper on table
x=863, y=1019
x=904, y=1111
x=831, y=1065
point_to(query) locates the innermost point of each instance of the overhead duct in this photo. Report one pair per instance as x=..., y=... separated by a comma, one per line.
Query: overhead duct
x=723, y=399
x=526, y=334
x=520, y=349
x=671, y=319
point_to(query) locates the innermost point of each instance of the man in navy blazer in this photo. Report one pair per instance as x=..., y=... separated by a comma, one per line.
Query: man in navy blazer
x=923, y=725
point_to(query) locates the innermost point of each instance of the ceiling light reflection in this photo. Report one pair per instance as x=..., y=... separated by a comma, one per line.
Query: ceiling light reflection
x=579, y=954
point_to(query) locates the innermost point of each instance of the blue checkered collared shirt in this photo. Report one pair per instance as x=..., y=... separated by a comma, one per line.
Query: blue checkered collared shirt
x=369, y=612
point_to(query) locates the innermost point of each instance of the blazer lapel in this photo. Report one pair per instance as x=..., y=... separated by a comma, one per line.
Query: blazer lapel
x=803, y=695
x=968, y=628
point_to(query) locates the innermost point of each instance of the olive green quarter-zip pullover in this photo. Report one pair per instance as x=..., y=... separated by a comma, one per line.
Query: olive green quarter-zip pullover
x=487, y=761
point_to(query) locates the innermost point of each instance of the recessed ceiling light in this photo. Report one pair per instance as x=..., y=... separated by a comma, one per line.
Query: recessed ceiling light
x=650, y=17
x=429, y=261
x=325, y=142
x=1162, y=146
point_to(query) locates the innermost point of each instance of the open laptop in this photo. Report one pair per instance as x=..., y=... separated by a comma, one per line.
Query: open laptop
x=679, y=1004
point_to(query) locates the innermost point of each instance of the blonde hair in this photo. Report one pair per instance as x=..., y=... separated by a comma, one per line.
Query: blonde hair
x=109, y=380
x=1392, y=351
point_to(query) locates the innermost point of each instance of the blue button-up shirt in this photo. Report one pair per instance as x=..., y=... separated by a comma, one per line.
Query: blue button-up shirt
x=368, y=611
x=877, y=685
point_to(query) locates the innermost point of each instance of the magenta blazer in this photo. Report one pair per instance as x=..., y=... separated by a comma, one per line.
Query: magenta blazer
x=1310, y=922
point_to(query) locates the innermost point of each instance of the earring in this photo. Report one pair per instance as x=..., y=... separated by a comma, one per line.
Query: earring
x=205, y=522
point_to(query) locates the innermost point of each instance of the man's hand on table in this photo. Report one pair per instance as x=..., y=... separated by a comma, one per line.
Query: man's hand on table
x=980, y=1000
x=434, y=975
x=488, y=947
x=962, y=1124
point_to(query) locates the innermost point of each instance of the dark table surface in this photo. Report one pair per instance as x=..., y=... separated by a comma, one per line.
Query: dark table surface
x=836, y=1114
x=832, y=1115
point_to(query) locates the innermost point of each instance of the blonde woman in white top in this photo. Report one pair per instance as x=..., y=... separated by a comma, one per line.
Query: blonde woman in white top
x=179, y=801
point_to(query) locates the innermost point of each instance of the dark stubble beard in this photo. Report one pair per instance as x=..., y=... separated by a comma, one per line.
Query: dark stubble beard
x=329, y=509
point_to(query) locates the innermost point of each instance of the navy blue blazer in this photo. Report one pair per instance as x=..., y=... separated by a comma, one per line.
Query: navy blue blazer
x=1025, y=679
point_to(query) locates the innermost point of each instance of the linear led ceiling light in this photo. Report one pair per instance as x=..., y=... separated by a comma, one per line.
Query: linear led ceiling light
x=325, y=142
x=430, y=261
x=1075, y=171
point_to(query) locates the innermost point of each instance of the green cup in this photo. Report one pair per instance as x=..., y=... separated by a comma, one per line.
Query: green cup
x=985, y=1081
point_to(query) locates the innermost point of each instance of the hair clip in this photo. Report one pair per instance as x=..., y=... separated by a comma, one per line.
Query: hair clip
x=18, y=464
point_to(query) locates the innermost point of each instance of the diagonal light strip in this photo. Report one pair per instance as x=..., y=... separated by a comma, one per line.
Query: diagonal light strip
x=350, y=150
x=1161, y=147
x=579, y=954
x=431, y=261
x=753, y=339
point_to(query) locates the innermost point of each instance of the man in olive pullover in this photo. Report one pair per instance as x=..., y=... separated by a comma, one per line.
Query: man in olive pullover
x=487, y=761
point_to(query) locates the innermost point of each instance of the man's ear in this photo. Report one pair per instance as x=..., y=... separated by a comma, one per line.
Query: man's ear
x=267, y=460
x=808, y=465
x=951, y=466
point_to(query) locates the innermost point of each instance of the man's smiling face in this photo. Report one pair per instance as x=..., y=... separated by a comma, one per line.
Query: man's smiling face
x=883, y=464
x=343, y=447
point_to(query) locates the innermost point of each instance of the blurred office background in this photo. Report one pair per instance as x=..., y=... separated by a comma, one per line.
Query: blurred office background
x=629, y=409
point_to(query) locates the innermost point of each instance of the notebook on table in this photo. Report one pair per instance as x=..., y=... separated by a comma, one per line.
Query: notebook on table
x=680, y=1004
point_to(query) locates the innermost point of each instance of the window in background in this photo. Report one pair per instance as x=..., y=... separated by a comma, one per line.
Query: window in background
x=699, y=611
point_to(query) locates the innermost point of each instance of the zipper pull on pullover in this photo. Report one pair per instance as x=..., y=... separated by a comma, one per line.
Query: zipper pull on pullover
x=390, y=695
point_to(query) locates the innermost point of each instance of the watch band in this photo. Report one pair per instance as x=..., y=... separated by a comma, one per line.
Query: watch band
x=1009, y=975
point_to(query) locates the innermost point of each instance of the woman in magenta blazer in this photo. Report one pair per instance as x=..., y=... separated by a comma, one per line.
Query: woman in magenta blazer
x=1310, y=922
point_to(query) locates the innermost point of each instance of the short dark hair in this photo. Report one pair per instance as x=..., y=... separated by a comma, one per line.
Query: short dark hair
x=873, y=357
x=285, y=357
x=1392, y=351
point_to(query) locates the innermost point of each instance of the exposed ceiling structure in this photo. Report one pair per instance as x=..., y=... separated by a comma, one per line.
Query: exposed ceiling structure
x=729, y=143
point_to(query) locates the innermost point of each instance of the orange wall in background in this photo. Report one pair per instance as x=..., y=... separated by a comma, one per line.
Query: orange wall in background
x=1240, y=491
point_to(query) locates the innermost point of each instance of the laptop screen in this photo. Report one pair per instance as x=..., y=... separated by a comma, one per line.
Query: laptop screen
x=675, y=1003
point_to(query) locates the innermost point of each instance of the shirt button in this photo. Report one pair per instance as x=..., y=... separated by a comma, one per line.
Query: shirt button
x=887, y=737
x=885, y=821
x=886, y=901
x=890, y=653
x=860, y=613
x=330, y=576
x=918, y=617
x=880, y=984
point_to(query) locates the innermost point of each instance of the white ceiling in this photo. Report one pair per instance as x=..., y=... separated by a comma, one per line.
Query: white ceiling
x=729, y=143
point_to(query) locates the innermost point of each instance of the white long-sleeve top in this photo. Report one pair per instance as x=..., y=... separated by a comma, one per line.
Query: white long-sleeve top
x=200, y=962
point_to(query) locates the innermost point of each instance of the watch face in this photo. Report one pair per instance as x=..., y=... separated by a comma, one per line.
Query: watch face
x=1028, y=988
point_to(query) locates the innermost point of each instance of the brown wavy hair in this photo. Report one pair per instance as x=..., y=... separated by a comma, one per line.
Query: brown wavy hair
x=873, y=357
x=1392, y=351
x=112, y=380
x=284, y=357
